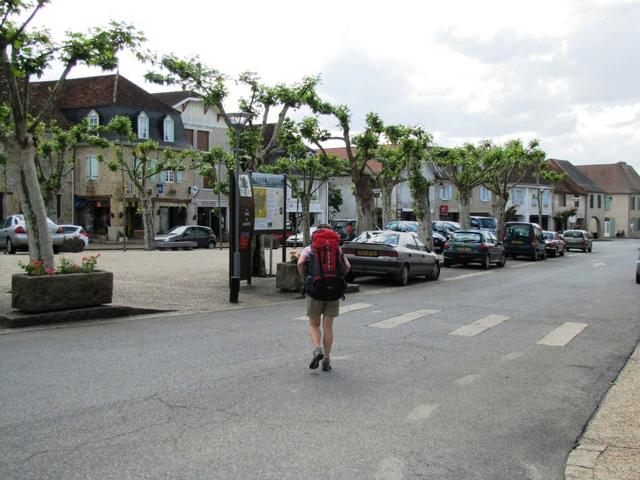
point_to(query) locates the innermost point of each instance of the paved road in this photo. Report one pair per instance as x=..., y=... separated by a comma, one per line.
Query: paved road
x=479, y=375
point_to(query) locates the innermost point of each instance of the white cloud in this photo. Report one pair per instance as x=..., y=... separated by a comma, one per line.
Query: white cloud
x=567, y=72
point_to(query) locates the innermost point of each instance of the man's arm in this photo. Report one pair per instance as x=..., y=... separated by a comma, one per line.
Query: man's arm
x=302, y=264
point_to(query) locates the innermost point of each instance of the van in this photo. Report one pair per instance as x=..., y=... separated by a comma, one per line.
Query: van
x=524, y=239
x=485, y=223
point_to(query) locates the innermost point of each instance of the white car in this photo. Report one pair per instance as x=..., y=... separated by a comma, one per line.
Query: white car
x=296, y=240
x=638, y=269
x=75, y=232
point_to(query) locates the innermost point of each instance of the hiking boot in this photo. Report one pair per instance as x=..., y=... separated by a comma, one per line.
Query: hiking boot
x=326, y=366
x=317, y=356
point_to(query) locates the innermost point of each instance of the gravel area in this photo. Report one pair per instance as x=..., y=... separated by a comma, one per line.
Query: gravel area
x=195, y=280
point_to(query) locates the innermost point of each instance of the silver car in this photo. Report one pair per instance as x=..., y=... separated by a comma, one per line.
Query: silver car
x=13, y=234
x=577, y=240
x=638, y=269
x=399, y=255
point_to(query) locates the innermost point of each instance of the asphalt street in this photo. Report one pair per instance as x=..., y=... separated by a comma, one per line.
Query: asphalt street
x=481, y=374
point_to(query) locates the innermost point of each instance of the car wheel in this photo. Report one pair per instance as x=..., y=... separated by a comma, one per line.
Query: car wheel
x=447, y=262
x=403, y=278
x=56, y=250
x=584, y=250
x=535, y=255
x=211, y=244
x=350, y=277
x=485, y=262
x=503, y=260
x=554, y=253
x=435, y=273
x=637, y=277
x=514, y=256
x=589, y=249
x=561, y=253
x=543, y=256
x=10, y=248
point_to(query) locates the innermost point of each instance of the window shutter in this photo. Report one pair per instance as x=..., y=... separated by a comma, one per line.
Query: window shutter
x=179, y=176
x=154, y=164
x=87, y=167
x=163, y=176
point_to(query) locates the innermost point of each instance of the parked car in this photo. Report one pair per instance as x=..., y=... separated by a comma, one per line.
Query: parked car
x=279, y=237
x=638, y=269
x=445, y=228
x=341, y=225
x=524, y=238
x=487, y=223
x=553, y=243
x=577, y=240
x=438, y=241
x=297, y=240
x=411, y=226
x=75, y=232
x=203, y=236
x=474, y=246
x=399, y=255
x=13, y=234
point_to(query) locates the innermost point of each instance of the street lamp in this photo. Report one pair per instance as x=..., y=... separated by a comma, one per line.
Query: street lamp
x=238, y=121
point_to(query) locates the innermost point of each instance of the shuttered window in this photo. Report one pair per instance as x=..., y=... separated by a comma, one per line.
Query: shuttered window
x=91, y=167
x=203, y=140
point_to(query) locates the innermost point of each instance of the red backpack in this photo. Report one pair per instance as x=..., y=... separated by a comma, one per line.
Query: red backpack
x=325, y=275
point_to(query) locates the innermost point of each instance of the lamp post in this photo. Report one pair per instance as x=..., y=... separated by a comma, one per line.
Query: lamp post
x=238, y=120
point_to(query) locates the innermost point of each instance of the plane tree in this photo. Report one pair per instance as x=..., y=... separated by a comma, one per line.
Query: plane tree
x=27, y=52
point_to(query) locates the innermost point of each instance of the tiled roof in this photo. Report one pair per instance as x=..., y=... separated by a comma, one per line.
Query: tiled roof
x=613, y=178
x=576, y=182
x=341, y=152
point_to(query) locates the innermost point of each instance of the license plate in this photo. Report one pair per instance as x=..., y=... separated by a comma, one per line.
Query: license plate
x=464, y=249
x=518, y=242
x=366, y=253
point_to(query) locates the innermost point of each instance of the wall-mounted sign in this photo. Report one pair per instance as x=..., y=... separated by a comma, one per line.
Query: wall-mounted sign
x=444, y=209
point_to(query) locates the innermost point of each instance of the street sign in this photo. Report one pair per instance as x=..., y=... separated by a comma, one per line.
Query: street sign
x=194, y=190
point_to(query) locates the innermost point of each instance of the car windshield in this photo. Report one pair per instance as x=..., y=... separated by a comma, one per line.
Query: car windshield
x=387, y=238
x=573, y=234
x=364, y=236
x=467, y=237
x=517, y=231
x=548, y=235
x=488, y=222
x=177, y=230
x=404, y=226
x=68, y=229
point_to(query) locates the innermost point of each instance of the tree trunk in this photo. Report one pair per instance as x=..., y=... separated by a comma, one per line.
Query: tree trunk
x=365, y=204
x=422, y=212
x=50, y=203
x=465, y=206
x=147, y=217
x=387, y=213
x=500, y=213
x=35, y=214
x=306, y=220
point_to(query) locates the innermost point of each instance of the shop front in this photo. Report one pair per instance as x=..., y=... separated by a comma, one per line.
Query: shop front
x=94, y=214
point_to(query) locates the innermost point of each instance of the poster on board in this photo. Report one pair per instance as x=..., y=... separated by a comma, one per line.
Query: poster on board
x=269, y=201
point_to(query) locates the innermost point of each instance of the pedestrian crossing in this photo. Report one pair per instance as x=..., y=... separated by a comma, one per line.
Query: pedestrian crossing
x=558, y=336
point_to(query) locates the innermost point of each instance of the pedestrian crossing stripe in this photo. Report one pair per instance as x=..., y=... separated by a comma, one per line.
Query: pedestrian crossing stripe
x=345, y=309
x=563, y=334
x=401, y=319
x=479, y=326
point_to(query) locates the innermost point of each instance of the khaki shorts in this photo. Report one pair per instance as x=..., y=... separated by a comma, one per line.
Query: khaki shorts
x=315, y=308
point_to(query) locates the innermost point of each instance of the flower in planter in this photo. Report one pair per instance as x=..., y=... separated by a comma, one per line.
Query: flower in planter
x=293, y=256
x=65, y=265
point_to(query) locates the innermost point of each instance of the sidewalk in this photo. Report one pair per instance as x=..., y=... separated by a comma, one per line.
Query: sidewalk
x=610, y=446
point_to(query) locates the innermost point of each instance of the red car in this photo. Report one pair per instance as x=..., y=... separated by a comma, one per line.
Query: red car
x=553, y=243
x=279, y=238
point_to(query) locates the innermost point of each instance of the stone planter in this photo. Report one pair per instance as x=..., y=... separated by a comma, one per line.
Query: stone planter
x=287, y=277
x=43, y=293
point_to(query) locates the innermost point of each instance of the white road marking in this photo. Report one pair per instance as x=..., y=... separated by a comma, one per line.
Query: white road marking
x=421, y=412
x=520, y=265
x=512, y=355
x=596, y=265
x=468, y=379
x=381, y=290
x=563, y=334
x=391, y=468
x=345, y=309
x=405, y=318
x=480, y=326
x=467, y=275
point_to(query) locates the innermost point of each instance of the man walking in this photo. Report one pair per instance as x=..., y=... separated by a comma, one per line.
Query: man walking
x=322, y=260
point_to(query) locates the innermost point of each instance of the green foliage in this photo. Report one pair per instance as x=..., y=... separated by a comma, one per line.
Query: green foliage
x=335, y=199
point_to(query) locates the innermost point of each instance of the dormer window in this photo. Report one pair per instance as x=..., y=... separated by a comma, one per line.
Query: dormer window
x=168, y=129
x=93, y=118
x=143, y=125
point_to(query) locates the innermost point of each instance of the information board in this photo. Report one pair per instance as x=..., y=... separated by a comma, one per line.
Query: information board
x=269, y=201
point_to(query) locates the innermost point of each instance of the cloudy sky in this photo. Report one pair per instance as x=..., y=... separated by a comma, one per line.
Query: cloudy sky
x=567, y=72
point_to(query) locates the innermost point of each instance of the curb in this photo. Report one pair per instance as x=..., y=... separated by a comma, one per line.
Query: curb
x=582, y=461
x=103, y=312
